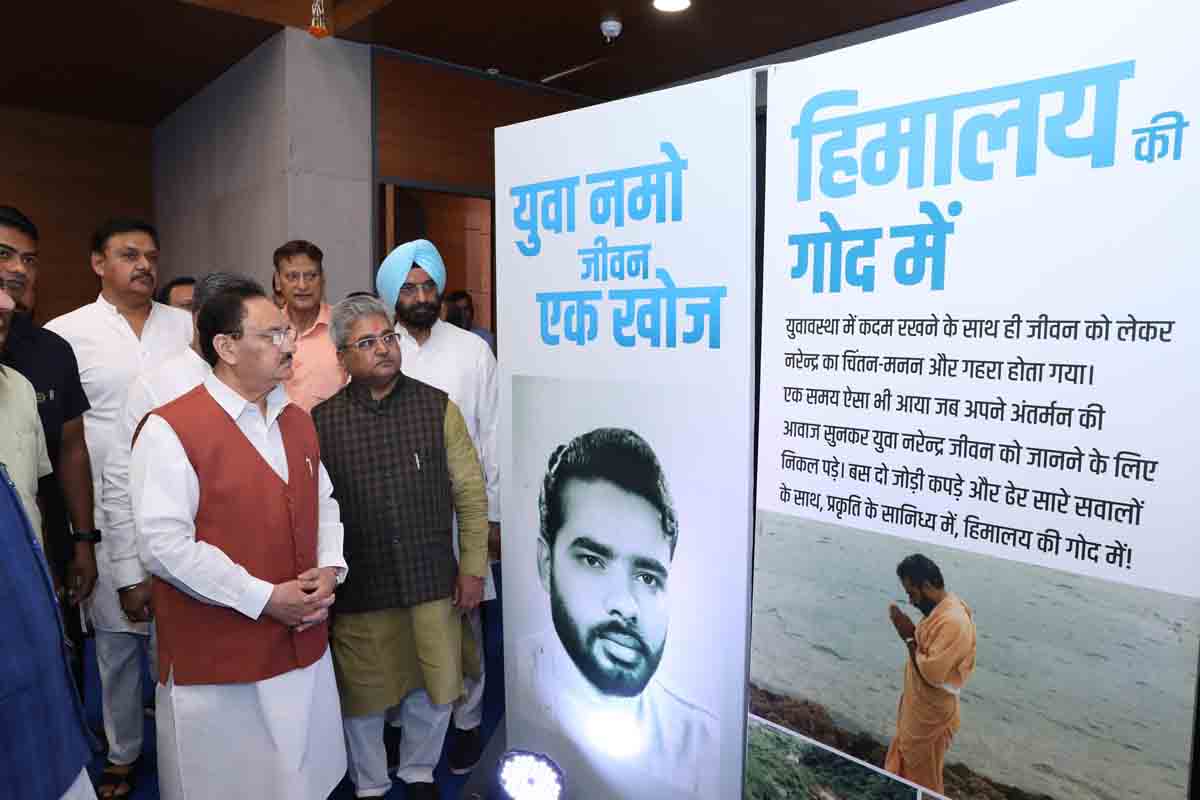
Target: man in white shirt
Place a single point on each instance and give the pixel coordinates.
(247, 703)
(179, 374)
(608, 535)
(411, 280)
(122, 334)
(22, 440)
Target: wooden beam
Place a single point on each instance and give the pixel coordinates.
(293, 13)
(340, 14)
(389, 223)
(348, 13)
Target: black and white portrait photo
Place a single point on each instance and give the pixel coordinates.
(606, 677)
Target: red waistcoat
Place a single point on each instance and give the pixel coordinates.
(267, 526)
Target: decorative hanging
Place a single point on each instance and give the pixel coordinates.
(319, 27)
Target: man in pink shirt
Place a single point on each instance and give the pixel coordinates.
(316, 373)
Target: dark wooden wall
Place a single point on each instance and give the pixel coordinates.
(434, 124)
(68, 174)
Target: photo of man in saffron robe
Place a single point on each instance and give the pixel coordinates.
(941, 658)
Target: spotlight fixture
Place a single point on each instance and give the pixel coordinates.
(672, 6)
(530, 776)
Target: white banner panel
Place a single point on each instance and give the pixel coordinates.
(624, 249)
(977, 336)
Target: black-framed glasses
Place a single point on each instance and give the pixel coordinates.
(369, 343)
(410, 289)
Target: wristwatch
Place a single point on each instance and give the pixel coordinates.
(87, 536)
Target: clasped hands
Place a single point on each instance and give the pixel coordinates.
(901, 622)
(304, 602)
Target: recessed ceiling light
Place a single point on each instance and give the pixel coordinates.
(672, 5)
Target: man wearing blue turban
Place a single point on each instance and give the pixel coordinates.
(412, 280)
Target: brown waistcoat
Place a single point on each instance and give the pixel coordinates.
(265, 525)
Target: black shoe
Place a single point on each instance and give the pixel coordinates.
(465, 750)
(420, 791)
(391, 743)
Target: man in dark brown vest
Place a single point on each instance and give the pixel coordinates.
(402, 463)
(235, 519)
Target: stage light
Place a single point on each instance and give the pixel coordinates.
(530, 776)
(671, 6)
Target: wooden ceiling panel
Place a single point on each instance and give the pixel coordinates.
(533, 39)
(132, 61)
(136, 61)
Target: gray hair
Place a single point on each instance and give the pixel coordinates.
(350, 311)
(214, 283)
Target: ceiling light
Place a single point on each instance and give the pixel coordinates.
(672, 6)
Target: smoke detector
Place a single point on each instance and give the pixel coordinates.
(610, 27)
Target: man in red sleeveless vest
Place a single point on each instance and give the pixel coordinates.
(235, 520)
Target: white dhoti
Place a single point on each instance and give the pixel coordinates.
(278, 738)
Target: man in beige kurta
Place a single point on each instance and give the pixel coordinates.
(941, 658)
(402, 463)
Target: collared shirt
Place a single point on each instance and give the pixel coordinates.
(22, 442)
(316, 372)
(110, 356)
(460, 364)
(166, 498)
(175, 377)
(47, 361)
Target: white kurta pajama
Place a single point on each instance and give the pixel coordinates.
(174, 378)
(462, 365)
(275, 738)
(110, 357)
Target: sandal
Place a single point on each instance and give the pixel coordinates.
(117, 781)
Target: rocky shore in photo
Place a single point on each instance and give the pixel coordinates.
(812, 720)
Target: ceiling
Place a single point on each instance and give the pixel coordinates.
(131, 61)
(136, 61)
(532, 39)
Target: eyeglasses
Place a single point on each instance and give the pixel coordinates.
(371, 342)
(298, 277)
(410, 289)
(276, 336)
(8, 255)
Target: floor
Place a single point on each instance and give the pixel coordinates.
(450, 786)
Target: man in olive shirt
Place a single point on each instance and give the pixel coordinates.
(402, 464)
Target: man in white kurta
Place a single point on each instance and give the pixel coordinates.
(122, 334)
(177, 375)
(462, 365)
(275, 738)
